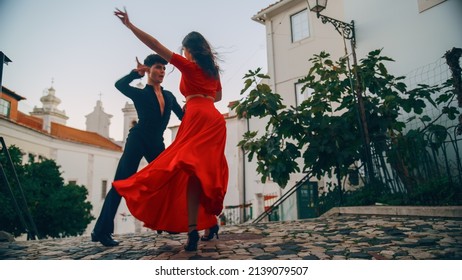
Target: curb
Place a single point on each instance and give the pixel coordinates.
(424, 211)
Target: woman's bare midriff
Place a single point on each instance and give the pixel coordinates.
(189, 97)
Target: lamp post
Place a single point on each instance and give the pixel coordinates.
(3, 60)
(347, 30)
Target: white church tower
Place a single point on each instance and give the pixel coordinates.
(130, 118)
(98, 121)
(50, 112)
(130, 115)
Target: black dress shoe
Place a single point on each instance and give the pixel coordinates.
(213, 231)
(105, 239)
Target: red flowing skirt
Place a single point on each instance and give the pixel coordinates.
(156, 195)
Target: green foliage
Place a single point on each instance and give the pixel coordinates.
(327, 125)
(261, 101)
(9, 220)
(275, 155)
(58, 210)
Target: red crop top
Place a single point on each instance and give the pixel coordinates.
(193, 79)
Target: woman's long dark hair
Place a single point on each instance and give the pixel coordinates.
(202, 53)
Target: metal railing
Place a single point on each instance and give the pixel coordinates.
(283, 198)
(20, 205)
(233, 214)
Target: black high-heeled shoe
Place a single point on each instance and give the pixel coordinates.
(213, 231)
(193, 239)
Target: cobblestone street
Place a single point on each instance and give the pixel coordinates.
(337, 237)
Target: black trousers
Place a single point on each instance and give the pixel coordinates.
(135, 149)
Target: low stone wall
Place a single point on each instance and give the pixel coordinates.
(425, 211)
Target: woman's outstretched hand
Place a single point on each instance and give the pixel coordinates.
(123, 16)
(144, 37)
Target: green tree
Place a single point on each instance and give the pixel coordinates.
(324, 130)
(10, 221)
(58, 210)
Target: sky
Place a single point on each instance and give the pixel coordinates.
(80, 48)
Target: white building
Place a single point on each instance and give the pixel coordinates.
(99, 121)
(86, 158)
(415, 33)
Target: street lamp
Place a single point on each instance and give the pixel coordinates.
(3, 60)
(347, 30)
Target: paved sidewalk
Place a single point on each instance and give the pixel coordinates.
(332, 237)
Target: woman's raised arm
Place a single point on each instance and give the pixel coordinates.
(144, 37)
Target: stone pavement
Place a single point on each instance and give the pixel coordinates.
(334, 237)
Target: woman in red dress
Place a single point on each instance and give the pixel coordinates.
(183, 189)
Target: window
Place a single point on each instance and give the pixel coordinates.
(103, 189)
(5, 107)
(299, 96)
(299, 25)
(72, 182)
(31, 157)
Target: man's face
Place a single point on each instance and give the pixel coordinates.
(157, 73)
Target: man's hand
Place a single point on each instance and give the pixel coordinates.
(141, 68)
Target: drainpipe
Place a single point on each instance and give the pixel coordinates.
(244, 175)
(243, 185)
(272, 55)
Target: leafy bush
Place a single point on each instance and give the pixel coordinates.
(57, 210)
